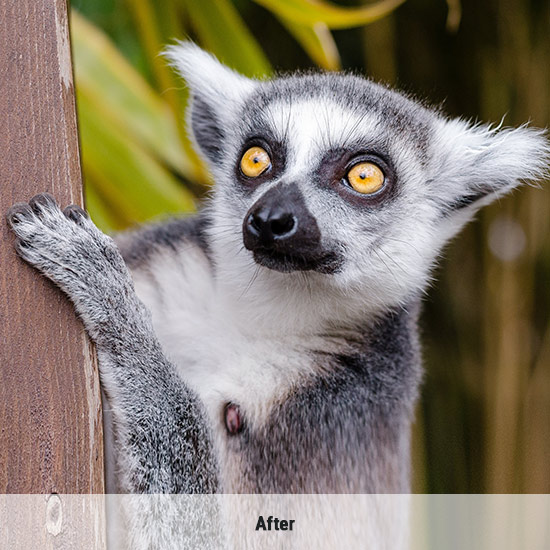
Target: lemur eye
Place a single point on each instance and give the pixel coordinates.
(255, 162)
(366, 178)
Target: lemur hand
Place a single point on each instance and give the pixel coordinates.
(71, 251)
(146, 395)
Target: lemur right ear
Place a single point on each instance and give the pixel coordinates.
(216, 94)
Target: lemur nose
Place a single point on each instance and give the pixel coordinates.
(271, 224)
(279, 223)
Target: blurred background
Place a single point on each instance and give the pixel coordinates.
(483, 424)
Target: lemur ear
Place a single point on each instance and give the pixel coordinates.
(479, 163)
(216, 94)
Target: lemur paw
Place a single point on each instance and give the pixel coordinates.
(69, 249)
(59, 242)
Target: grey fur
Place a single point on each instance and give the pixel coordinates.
(324, 364)
(138, 247)
(356, 414)
(160, 423)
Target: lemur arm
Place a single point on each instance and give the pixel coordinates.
(163, 439)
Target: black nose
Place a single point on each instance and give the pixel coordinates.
(280, 223)
(269, 223)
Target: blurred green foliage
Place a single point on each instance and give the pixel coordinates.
(137, 159)
(484, 420)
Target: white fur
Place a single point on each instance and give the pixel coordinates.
(239, 332)
(255, 317)
(236, 361)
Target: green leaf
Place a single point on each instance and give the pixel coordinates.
(117, 93)
(454, 15)
(317, 41)
(126, 175)
(99, 210)
(309, 12)
(221, 30)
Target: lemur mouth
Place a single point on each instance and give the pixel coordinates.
(326, 263)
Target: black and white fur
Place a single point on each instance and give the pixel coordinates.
(317, 347)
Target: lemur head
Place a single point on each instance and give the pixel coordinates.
(332, 182)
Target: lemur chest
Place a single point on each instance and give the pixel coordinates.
(220, 361)
(288, 392)
(253, 373)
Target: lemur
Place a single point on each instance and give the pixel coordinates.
(270, 343)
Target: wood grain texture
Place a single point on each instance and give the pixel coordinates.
(51, 437)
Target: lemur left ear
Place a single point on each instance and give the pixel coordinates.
(478, 163)
(216, 94)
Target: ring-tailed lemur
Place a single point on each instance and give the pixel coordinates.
(269, 344)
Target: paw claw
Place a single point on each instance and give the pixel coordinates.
(21, 246)
(17, 212)
(41, 201)
(75, 213)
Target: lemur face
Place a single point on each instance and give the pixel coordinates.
(332, 176)
(318, 167)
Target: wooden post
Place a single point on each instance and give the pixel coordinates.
(50, 415)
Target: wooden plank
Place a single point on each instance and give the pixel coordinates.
(50, 417)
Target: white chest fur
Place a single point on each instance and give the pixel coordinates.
(222, 360)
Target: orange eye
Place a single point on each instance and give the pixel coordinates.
(366, 178)
(254, 162)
